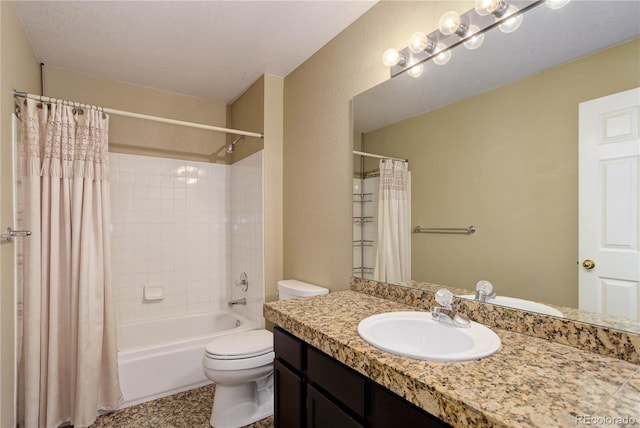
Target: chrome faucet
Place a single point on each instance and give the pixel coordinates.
(242, 301)
(446, 313)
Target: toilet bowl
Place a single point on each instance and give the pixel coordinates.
(241, 366)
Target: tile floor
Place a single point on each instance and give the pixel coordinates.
(189, 409)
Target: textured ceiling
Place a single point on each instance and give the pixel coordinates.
(208, 49)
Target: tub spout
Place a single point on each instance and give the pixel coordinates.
(242, 301)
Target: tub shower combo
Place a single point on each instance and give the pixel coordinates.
(173, 291)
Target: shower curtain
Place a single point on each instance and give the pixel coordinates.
(68, 363)
(393, 258)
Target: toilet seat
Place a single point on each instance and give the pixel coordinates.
(244, 344)
(211, 362)
(238, 351)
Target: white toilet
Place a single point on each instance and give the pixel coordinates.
(241, 366)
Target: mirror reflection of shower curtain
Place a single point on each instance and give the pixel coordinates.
(393, 260)
(68, 362)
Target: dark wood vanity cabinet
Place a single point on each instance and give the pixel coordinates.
(313, 390)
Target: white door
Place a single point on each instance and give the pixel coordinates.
(609, 264)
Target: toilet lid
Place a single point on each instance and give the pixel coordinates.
(244, 343)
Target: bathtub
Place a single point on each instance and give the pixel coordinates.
(162, 357)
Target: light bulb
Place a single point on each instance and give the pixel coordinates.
(511, 21)
(556, 4)
(418, 42)
(441, 58)
(416, 70)
(476, 38)
(495, 7)
(392, 57)
(450, 23)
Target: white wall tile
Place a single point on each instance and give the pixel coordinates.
(167, 230)
(246, 234)
(190, 227)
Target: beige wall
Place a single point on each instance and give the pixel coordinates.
(247, 113)
(18, 69)
(259, 109)
(273, 148)
(317, 135)
(142, 137)
(506, 161)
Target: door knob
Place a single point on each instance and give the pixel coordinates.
(588, 264)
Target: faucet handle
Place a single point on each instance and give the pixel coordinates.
(484, 285)
(484, 291)
(445, 298)
(243, 283)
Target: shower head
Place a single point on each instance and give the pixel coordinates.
(231, 145)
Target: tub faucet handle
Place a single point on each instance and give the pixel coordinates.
(243, 283)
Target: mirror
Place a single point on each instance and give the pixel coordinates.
(492, 141)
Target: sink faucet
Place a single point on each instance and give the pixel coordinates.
(484, 291)
(445, 312)
(242, 301)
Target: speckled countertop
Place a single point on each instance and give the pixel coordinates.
(530, 382)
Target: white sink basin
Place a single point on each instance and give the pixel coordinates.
(418, 335)
(525, 305)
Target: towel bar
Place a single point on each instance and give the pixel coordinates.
(418, 229)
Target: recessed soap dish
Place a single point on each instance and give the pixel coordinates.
(153, 292)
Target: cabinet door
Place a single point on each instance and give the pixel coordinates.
(289, 348)
(390, 411)
(323, 413)
(288, 398)
(345, 385)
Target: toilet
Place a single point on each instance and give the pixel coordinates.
(241, 366)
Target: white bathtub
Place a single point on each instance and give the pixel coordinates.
(162, 357)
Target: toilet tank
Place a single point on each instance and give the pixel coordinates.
(292, 288)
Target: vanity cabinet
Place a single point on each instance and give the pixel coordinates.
(313, 390)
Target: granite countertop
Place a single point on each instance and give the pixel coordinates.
(530, 382)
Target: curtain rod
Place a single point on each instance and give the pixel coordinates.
(141, 116)
(371, 155)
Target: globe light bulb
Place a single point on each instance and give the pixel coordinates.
(418, 42)
(392, 57)
(450, 23)
(511, 21)
(487, 7)
(556, 4)
(416, 70)
(475, 39)
(441, 58)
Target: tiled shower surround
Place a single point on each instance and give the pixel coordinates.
(171, 227)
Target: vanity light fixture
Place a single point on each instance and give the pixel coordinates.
(419, 42)
(496, 8)
(507, 14)
(392, 57)
(452, 23)
(454, 29)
